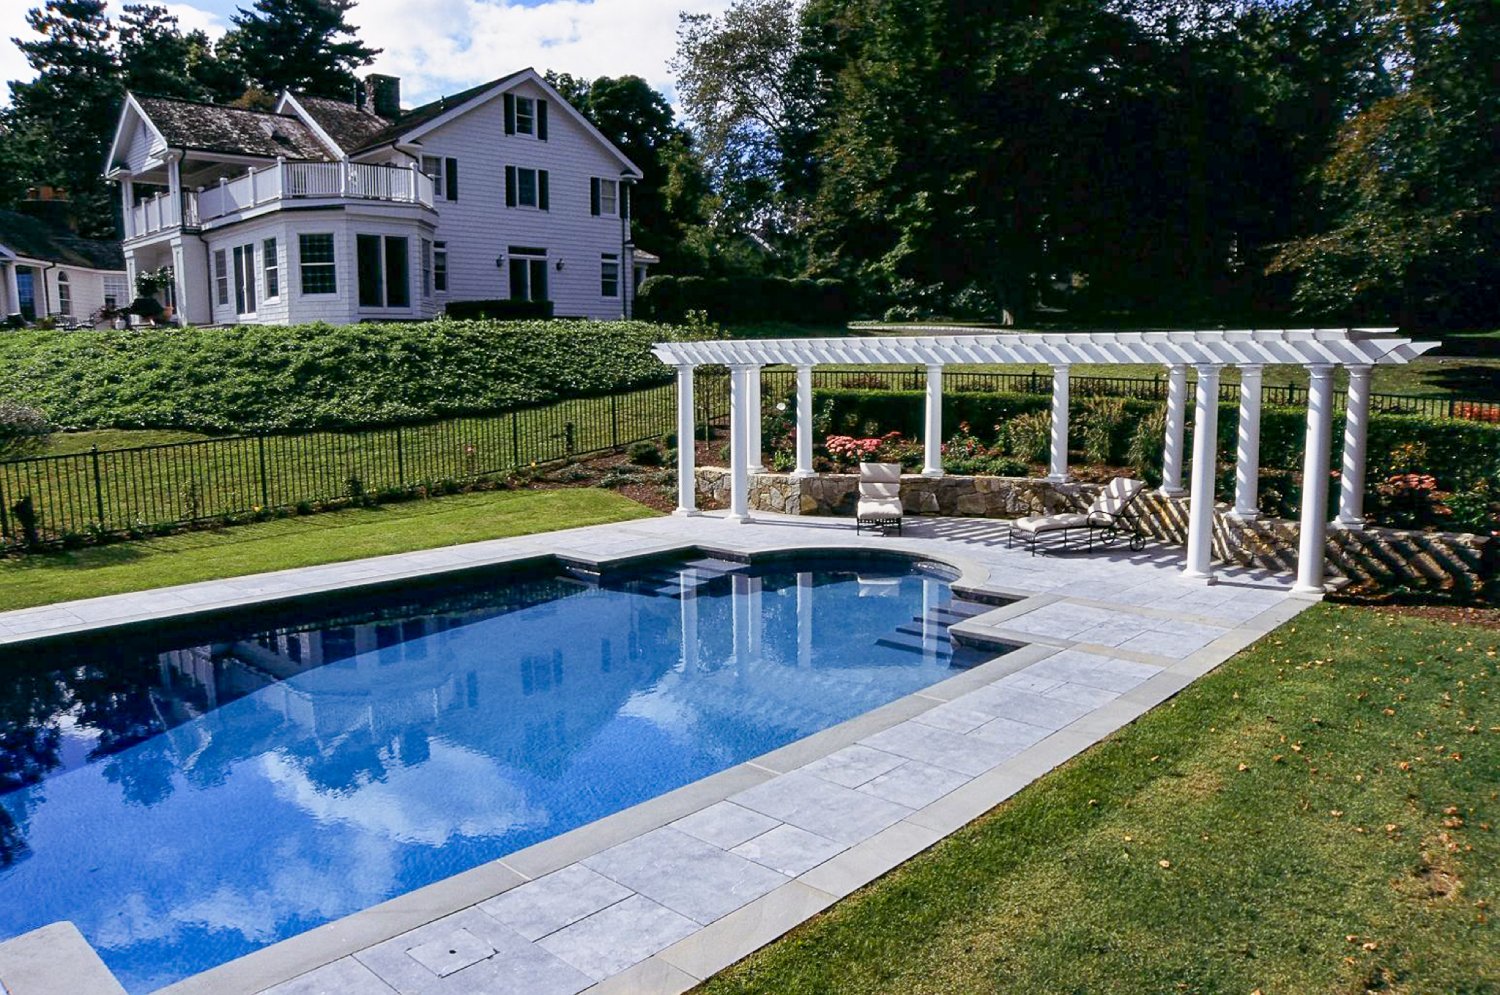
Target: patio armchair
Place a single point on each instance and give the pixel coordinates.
(1108, 519)
(879, 497)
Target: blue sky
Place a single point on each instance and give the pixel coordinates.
(441, 46)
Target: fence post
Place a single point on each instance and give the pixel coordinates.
(570, 439)
(400, 460)
(265, 484)
(515, 440)
(614, 421)
(98, 487)
(4, 517)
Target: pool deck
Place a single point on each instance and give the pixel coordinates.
(664, 894)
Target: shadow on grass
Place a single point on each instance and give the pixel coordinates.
(1468, 380)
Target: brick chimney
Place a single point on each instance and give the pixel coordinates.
(383, 95)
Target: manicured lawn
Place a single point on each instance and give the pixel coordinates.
(299, 542)
(1319, 815)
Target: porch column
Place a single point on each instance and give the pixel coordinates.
(739, 417)
(174, 187)
(932, 426)
(1318, 449)
(127, 201)
(1247, 454)
(687, 484)
(12, 291)
(1200, 546)
(752, 426)
(1356, 429)
(804, 422)
(1171, 454)
(1059, 469)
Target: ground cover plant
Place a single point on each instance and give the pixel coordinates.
(1317, 815)
(306, 376)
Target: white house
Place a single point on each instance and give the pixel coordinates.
(48, 271)
(331, 211)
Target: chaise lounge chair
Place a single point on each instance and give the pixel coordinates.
(879, 497)
(1108, 519)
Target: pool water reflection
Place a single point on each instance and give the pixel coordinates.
(185, 803)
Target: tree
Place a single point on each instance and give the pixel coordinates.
(156, 58)
(59, 123)
(303, 45)
(1412, 182)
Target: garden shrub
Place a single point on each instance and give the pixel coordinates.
(499, 310)
(1102, 429)
(643, 454)
(1143, 453)
(315, 376)
(745, 299)
(1029, 436)
(23, 430)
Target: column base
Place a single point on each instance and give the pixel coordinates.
(933, 474)
(1307, 593)
(1356, 525)
(1204, 577)
(755, 468)
(1059, 478)
(1172, 492)
(803, 474)
(1243, 516)
(738, 519)
(686, 513)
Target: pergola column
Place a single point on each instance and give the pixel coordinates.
(804, 422)
(1205, 464)
(687, 483)
(1247, 453)
(12, 291)
(1318, 449)
(1171, 454)
(1356, 431)
(932, 429)
(739, 432)
(752, 427)
(1058, 472)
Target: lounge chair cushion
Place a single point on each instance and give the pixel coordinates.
(878, 508)
(1050, 523)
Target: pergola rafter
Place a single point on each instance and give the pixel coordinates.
(1318, 350)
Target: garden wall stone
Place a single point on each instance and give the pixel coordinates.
(1377, 558)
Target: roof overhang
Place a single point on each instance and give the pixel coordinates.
(1283, 347)
(119, 145)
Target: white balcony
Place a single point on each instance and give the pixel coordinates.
(281, 181)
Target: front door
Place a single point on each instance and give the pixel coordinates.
(26, 290)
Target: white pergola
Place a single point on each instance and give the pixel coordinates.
(1318, 350)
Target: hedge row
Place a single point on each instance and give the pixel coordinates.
(1460, 454)
(751, 298)
(307, 376)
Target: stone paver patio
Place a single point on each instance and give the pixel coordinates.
(656, 898)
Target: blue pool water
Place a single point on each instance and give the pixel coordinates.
(187, 798)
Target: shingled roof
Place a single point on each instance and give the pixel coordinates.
(34, 238)
(213, 128)
(350, 126)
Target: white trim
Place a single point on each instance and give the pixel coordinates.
(130, 104)
(287, 99)
(20, 260)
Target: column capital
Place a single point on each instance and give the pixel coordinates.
(685, 367)
(744, 367)
(1320, 371)
(1360, 370)
(1251, 369)
(1061, 367)
(935, 367)
(1175, 367)
(1208, 371)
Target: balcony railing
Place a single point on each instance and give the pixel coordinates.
(279, 182)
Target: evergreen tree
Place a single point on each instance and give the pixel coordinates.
(303, 45)
(60, 122)
(156, 58)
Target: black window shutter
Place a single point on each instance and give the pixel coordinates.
(594, 195)
(541, 120)
(541, 189)
(510, 186)
(510, 114)
(624, 199)
(452, 185)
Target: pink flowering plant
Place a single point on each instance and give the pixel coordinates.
(847, 451)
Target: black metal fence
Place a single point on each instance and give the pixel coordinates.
(139, 490)
(99, 493)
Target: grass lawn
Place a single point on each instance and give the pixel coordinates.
(1318, 815)
(299, 542)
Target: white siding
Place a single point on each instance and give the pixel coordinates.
(140, 149)
(87, 291)
(478, 227)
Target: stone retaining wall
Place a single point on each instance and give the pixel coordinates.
(1376, 557)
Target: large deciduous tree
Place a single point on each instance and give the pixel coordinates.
(304, 45)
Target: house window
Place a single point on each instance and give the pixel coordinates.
(26, 291)
(315, 256)
(609, 197)
(271, 263)
(221, 276)
(64, 295)
(115, 292)
(609, 275)
(526, 187)
(440, 267)
(528, 274)
(426, 268)
(525, 116)
(433, 166)
(383, 276)
(244, 279)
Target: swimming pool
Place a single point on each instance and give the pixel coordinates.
(188, 797)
